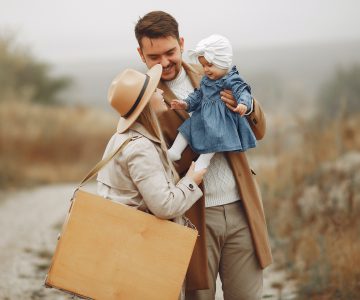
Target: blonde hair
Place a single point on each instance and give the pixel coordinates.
(149, 120)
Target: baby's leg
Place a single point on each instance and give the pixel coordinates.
(177, 148)
(203, 161)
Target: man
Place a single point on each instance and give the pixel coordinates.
(233, 240)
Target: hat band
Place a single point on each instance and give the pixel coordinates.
(139, 97)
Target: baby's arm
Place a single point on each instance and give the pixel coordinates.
(242, 93)
(194, 100)
(179, 104)
(191, 103)
(241, 109)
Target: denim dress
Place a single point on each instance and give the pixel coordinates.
(213, 127)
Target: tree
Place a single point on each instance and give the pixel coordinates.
(23, 76)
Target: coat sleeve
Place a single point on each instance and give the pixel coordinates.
(164, 199)
(257, 120)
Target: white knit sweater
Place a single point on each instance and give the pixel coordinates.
(219, 181)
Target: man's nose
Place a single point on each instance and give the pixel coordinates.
(164, 62)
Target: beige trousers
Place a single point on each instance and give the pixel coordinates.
(231, 255)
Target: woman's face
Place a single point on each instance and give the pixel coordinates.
(157, 101)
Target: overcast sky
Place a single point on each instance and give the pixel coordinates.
(71, 30)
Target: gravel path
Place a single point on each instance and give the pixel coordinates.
(29, 224)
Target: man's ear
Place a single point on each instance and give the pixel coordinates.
(141, 55)
(181, 43)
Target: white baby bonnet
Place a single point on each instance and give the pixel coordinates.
(216, 49)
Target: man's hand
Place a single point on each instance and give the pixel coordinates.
(240, 109)
(229, 100)
(178, 104)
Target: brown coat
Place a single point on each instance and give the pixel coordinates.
(247, 185)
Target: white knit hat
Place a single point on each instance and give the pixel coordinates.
(216, 49)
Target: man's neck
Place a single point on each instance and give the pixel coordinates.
(181, 76)
(181, 86)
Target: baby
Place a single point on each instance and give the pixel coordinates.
(213, 127)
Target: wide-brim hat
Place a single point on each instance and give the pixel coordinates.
(130, 92)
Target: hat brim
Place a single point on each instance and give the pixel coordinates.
(154, 74)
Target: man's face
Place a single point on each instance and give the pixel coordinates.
(165, 51)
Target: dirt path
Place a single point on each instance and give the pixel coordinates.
(29, 224)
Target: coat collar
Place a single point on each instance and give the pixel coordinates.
(195, 76)
(194, 72)
(139, 128)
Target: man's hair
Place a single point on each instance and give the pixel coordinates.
(156, 24)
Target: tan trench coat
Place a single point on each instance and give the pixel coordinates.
(140, 176)
(170, 120)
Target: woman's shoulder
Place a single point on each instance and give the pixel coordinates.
(141, 154)
(139, 144)
(119, 138)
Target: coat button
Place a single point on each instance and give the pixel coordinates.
(191, 186)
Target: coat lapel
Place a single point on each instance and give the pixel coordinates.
(195, 74)
(195, 77)
(168, 97)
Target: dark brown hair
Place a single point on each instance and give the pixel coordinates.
(156, 24)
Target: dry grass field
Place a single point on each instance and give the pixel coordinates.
(47, 144)
(312, 203)
(311, 188)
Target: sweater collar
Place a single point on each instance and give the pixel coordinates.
(195, 78)
(178, 80)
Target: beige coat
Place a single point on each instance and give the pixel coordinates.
(141, 177)
(247, 186)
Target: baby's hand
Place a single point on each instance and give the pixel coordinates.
(178, 104)
(240, 109)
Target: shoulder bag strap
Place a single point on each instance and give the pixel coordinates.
(103, 162)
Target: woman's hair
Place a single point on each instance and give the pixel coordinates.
(156, 24)
(148, 119)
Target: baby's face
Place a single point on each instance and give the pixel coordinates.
(212, 72)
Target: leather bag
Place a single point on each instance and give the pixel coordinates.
(107, 250)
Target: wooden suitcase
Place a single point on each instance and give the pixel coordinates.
(108, 250)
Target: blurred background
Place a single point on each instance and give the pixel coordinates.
(302, 60)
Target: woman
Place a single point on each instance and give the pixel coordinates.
(142, 175)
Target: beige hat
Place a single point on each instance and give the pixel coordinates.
(129, 93)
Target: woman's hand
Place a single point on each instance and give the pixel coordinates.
(196, 176)
(178, 104)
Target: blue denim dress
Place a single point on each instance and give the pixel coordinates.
(213, 127)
